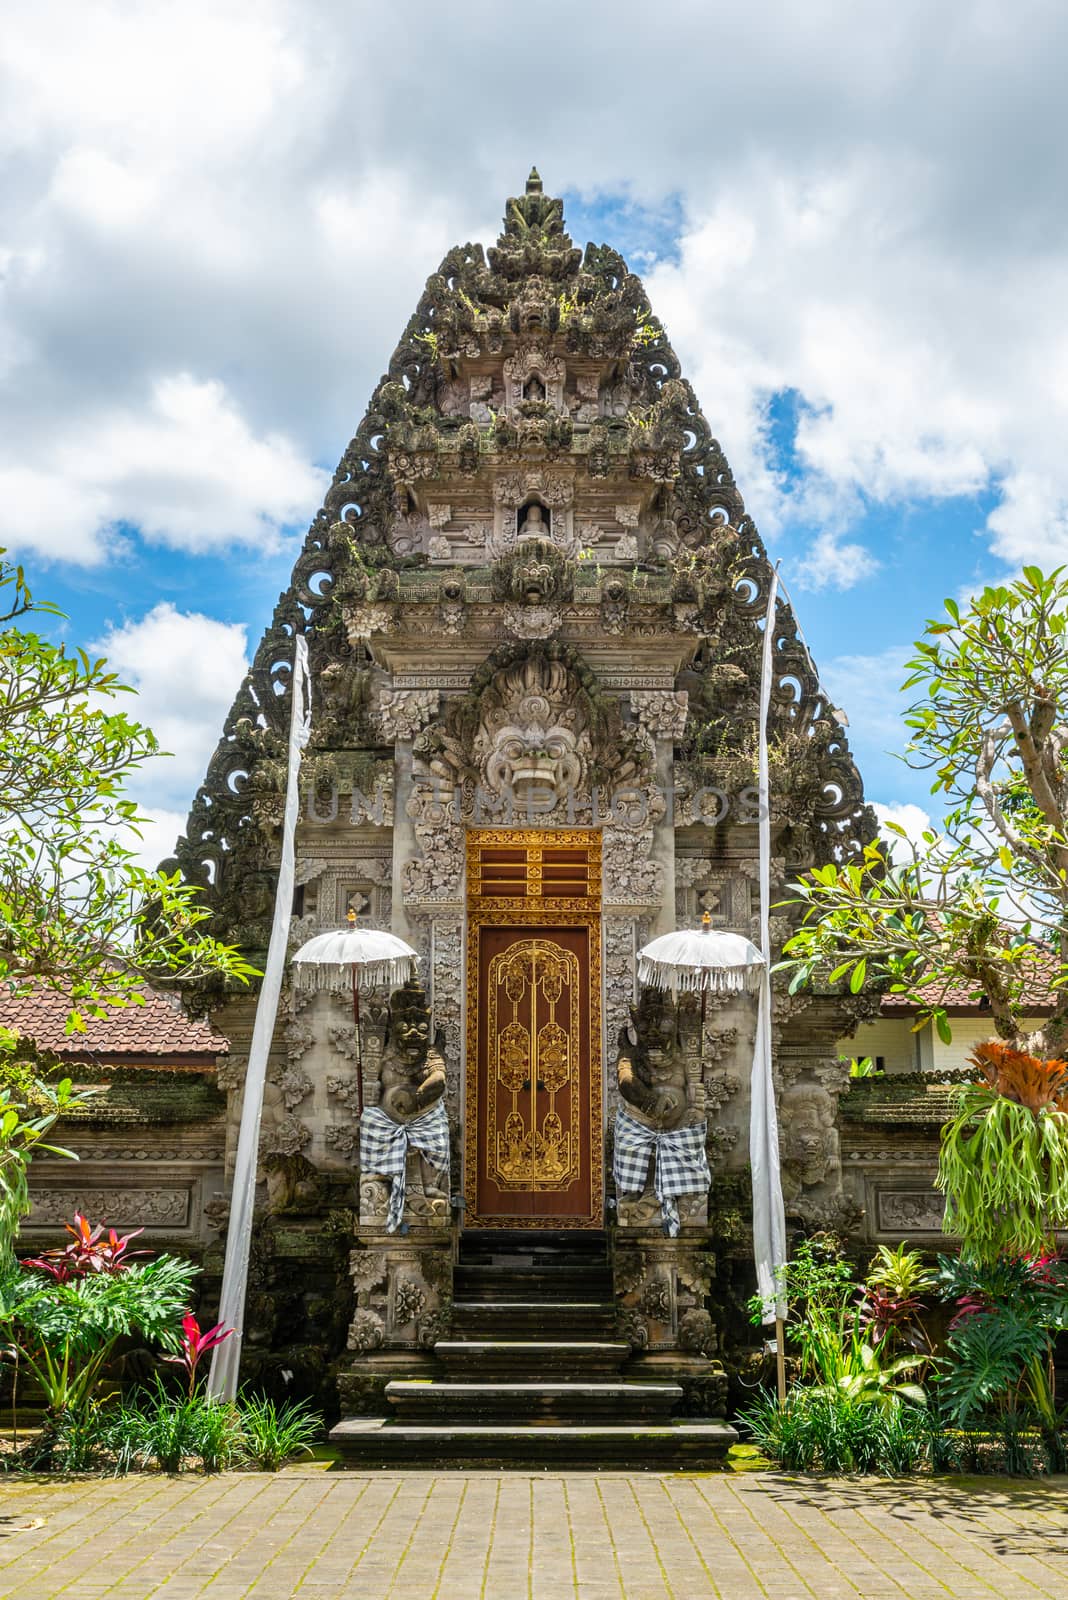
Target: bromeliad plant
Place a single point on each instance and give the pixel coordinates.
(1004, 1159)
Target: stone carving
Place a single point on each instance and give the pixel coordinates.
(615, 605)
(283, 1135)
(630, 876)
(809, 1141)
(402, 712)
(533, 374)
(904, 1212)
(534, 525)
(344, 1137)
(534, 580)
(363, 622)
(366, 1331)
(146, 1208)
(660, 712)
(651, 1067)
(293, 1084)
(412, 1081)
(697, 1333)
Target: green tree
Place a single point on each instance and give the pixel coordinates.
(984, 903)
(78, 915)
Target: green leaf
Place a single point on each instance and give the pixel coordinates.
(860, 972)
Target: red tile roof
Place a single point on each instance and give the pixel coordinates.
(158, 1028)
(1037, 997)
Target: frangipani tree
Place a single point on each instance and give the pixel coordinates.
(983, 904)
(77, 913)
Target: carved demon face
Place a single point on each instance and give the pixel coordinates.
(534, 760)
(411, 1036)
(534, 579)
(810, 1143)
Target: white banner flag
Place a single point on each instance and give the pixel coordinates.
(226, 1357)
(769, 1215)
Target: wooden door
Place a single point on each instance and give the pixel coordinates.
(534, 1071)
(533, 1136)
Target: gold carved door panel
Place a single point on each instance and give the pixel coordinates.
(535, 1154)
(533, 1120)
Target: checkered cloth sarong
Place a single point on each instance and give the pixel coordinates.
(681, 1163)
(384, 1150)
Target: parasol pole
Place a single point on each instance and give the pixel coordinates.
(226, 1357)
(769, 1216)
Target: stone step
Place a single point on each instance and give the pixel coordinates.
(531, 1283)
(582, 1402)
(382, 1442)
(531, 1360)
(534, 1319)
(548, 1243)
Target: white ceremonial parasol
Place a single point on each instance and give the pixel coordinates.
(354, 952)
(700, 960)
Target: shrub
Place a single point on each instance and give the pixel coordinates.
(158, 1429)
(272, 1434)
(820, 1430)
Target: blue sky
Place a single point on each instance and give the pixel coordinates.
(215, 223)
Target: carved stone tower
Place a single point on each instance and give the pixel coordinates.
(533, 600)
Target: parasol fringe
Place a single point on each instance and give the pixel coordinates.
(321, 975)
(710, 980)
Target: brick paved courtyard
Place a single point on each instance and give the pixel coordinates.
(449, 1536)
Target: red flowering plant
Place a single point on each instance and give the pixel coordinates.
(90, 1251)
(66, 1310)
(195, 1344)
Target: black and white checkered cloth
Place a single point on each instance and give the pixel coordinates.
(384, 1148)
(681, 1163)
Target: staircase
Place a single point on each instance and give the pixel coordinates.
(531, 1375)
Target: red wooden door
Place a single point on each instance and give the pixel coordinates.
(537, 1148)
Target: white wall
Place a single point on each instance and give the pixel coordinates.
(890, 1038)
(905, 1051)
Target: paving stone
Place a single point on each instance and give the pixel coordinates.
(310, 1535)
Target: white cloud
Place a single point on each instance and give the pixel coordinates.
(159, 833)
(868, 690)
(186, 469)
(216, 219)
(914, 819)
(186, 669)
(830, 563)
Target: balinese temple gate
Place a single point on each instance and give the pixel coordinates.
(533, 603)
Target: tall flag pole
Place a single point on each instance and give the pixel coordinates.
(769, 1213)
(226, 1357)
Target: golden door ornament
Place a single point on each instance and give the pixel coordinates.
(535, 1054)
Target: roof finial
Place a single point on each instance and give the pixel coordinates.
(534, 182)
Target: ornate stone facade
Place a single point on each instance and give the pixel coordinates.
(534, 601)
